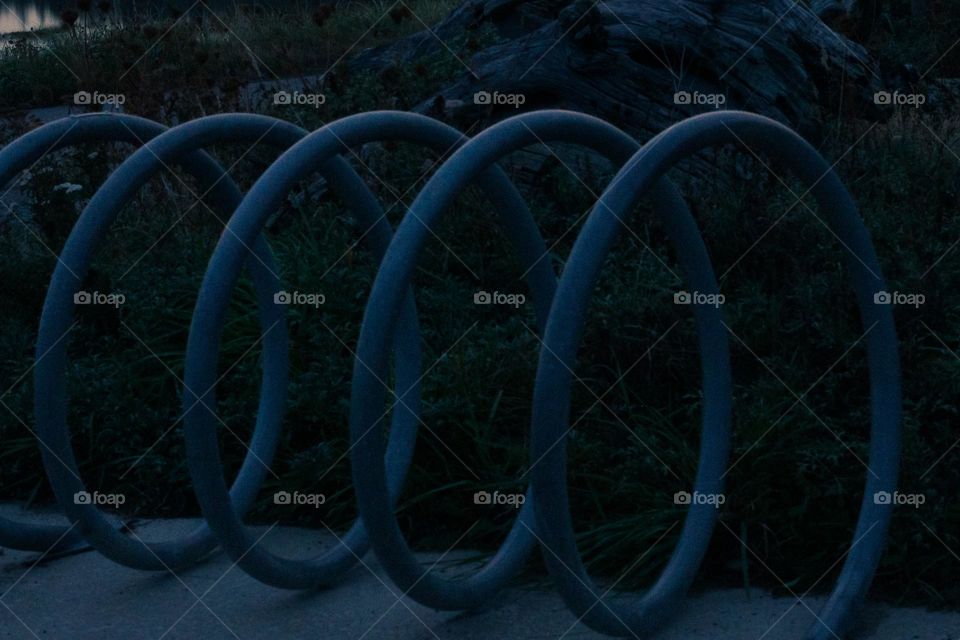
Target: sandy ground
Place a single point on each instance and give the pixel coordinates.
(85, 596)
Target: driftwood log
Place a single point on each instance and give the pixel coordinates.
(645, 64)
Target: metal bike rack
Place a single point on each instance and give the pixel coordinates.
(390, 326)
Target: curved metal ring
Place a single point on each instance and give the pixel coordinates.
(222, 509)
(395, 273)
(297, 163)
(20, 155)
(390, 325)
(58, 319)
(565, 328)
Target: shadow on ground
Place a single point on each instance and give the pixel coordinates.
(85, 596)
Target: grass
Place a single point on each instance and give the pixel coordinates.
(198, 61)
(897, 36)
(793, 497)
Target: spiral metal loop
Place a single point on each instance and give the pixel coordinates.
(551, 396)
(390, 325)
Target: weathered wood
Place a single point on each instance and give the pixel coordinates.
(624, 60)
(825, 9)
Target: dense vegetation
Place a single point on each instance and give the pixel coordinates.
(792, 497)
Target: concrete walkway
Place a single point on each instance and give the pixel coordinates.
(85, 596)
